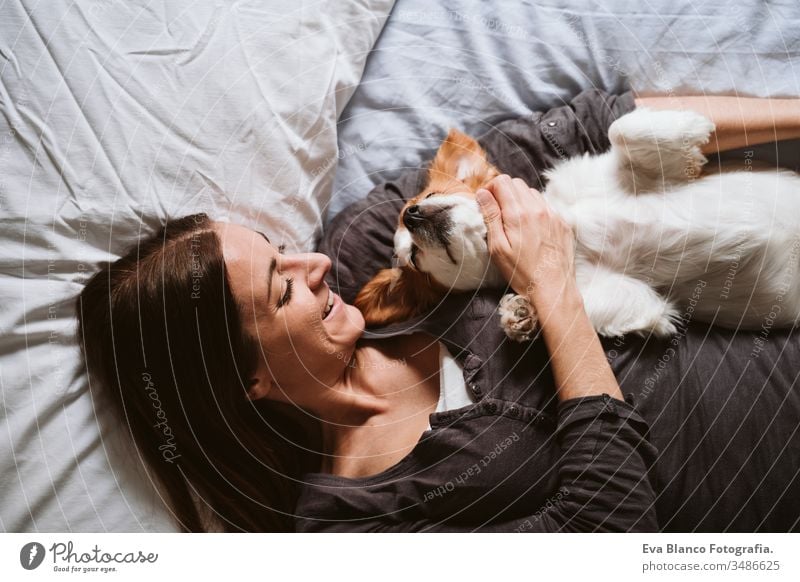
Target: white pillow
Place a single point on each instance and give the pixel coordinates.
(115, 117)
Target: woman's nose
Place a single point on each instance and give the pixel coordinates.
(313, 265)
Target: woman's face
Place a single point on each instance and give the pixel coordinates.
(284, 299)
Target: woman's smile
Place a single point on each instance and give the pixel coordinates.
(333, 307)
(328, 304)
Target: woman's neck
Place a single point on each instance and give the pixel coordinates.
(383, 368)
(387, 383)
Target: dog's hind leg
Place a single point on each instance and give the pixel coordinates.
(618, 304)
(656, 148)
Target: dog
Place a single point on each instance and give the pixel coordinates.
(659, 238)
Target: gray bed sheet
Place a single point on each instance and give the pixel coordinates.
(471, 65)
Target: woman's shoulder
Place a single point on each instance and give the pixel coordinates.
(468, 465)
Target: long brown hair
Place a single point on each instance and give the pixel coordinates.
(161, 331)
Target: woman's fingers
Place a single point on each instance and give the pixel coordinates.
(504, 191)
(493, 216)
(527, 241)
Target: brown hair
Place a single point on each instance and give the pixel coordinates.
(161, 331)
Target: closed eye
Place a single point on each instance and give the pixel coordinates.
(287, 296)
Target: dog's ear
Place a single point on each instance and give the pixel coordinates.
(396, 295)
(461, 158)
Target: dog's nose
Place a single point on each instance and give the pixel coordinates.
(413, 216)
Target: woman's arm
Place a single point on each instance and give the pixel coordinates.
(533, 248)
(577, 359)
(740, 121)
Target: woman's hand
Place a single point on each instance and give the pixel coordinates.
(531, 245)
(534, 249)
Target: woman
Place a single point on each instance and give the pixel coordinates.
(252, 403)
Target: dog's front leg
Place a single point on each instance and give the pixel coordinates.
(654, 148)
(518, 317)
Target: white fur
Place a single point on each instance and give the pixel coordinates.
(402, 245)
(656, 242)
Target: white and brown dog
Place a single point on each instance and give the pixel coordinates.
(656, 241)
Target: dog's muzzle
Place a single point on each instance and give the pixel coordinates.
(431, 223)
(414, 217)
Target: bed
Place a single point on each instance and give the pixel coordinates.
(116, 118)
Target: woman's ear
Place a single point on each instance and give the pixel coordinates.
(257, 389)
(260, 383)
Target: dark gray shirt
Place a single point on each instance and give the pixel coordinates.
(516, 459)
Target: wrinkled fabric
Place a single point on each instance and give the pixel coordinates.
(115, 117)
(471, 65)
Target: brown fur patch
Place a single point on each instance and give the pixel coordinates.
(396, 295)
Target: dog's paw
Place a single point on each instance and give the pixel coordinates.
(693, 130)
(681, 129)
(664, 143)
(518, 318)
